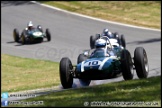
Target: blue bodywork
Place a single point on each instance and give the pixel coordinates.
(99, 66)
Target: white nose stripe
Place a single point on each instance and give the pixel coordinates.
(103, 62)
(82, 66)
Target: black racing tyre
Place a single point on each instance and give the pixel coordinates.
(122, 40)
(65, 74)
(126, 65)
(116, 35)
(141, 62)
(83, 82)
(93, 39)
(16, 35)
(81, 58)
(23, 37)
(40, 28)
(48, 34)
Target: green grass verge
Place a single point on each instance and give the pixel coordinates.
(137, 90)
(20, 74)
(140, 13)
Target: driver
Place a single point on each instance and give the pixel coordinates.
(101, 45)
(30, 26)
(107, 33)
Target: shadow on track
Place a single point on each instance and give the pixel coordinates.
(11, 42)
(20, 44)
(146, 41)
(15, 3)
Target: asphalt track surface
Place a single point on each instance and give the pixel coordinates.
(70, 36)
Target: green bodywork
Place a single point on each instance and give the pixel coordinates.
(101, 63)
(35, 33)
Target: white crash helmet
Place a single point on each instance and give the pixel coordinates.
(100, 43)
(30, 24)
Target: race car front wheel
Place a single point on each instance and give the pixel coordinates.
(65, 73)
(81, 58)
(23, 38)
(141, 62)
(48, 34)
(16, 35)
(126, 65)
(83, 82)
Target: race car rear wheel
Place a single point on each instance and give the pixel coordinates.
(16, 35)
(122, 41)
(141, 62)
(93, 39)
(126, 65)
(65, 73)
(83, 82)
(116, 35)
(48, 34)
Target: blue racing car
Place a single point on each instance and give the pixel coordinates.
(111, 35)
(104, 62)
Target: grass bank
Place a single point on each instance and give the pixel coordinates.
(143, 92)
(20, 74)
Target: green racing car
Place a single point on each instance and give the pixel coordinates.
(34, 35)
